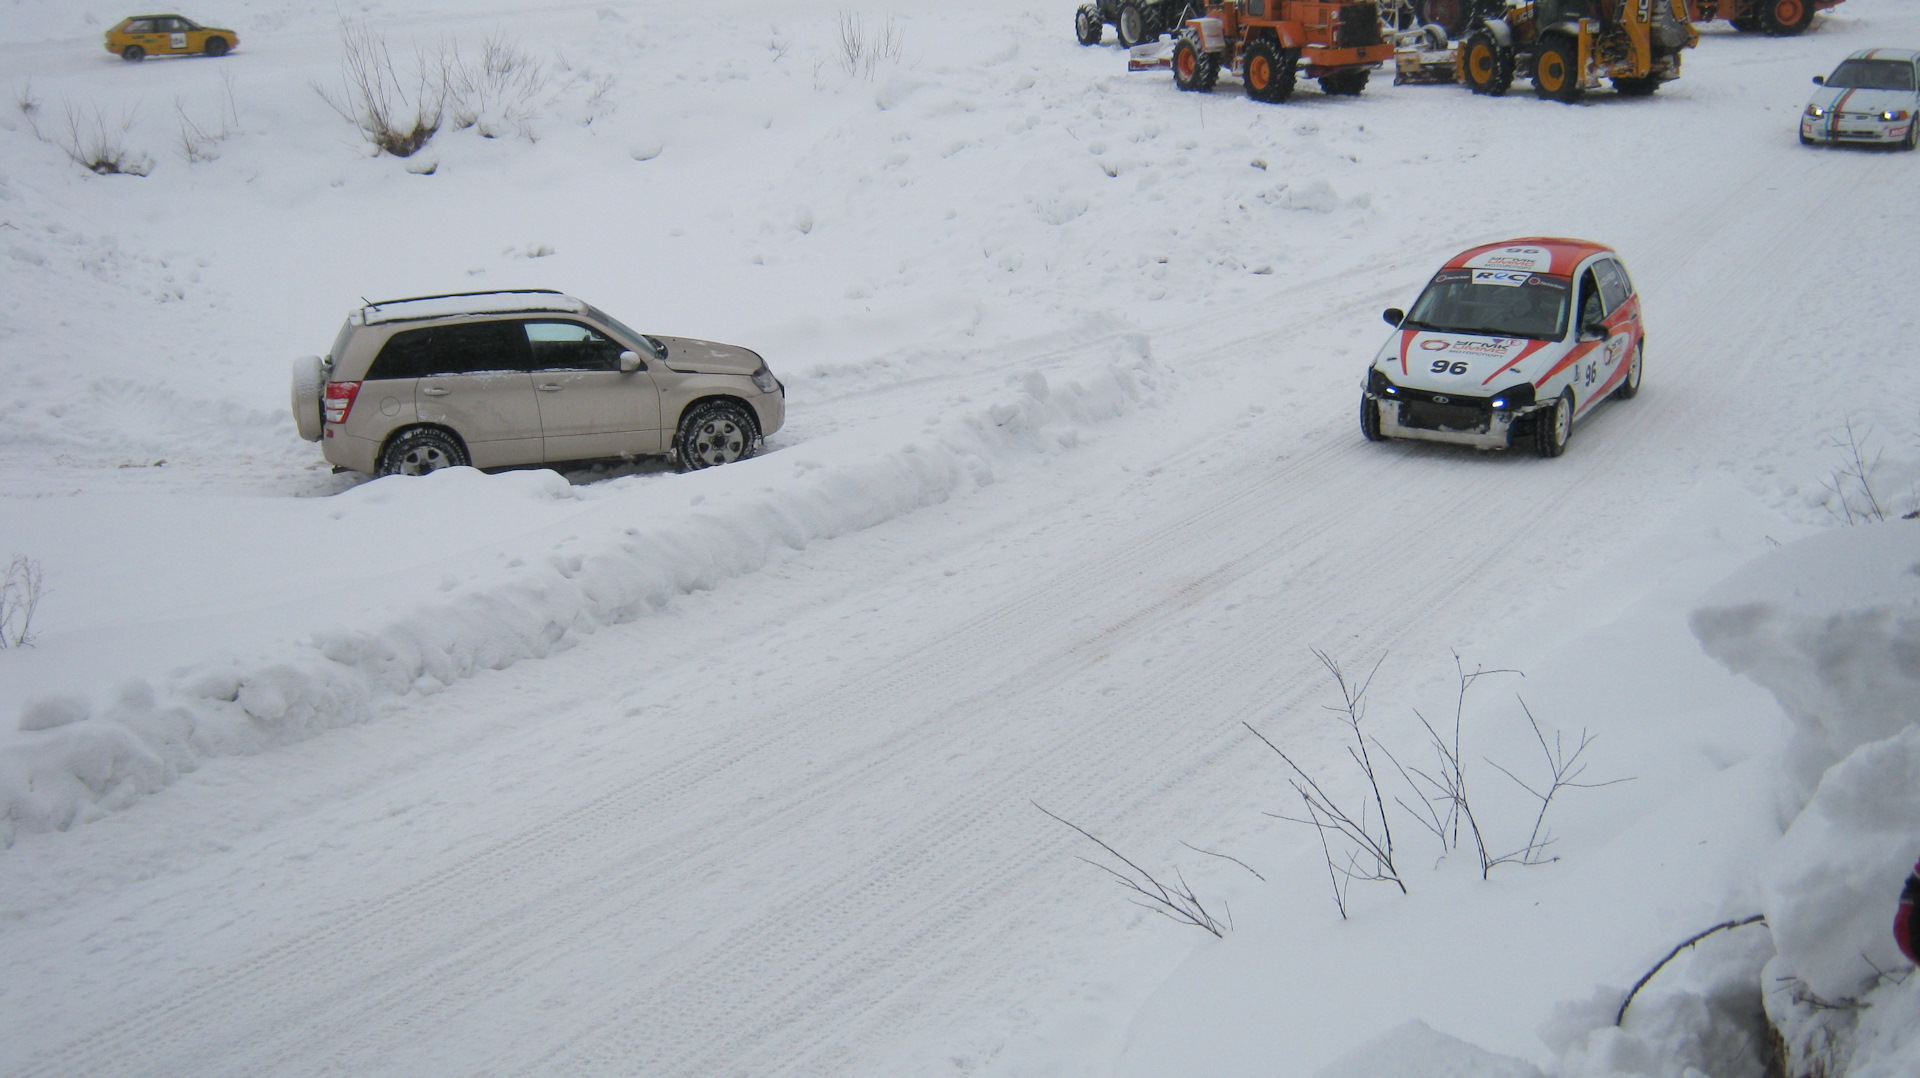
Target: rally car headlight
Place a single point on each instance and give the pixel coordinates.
(1890, 115)
(1377, 383)
(1816, 111)
(1513, 397)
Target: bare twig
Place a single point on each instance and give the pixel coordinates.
(1621, 1014)
(1854, 476)
(1226, 857)
(1564, 772)
(374, 97)
(1177, 903)
(101, 147)
(21, 590)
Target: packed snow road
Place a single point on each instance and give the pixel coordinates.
(784, 822)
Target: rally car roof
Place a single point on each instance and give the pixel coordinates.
(1566, 253)
(1908, 55)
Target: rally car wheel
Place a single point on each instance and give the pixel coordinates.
(216, 46)
(1087, 25)
(1489, 64)
(1553, 428)
(1370, 420)
(1630, 386)
(133, 54)
(1555, 71)
(1913, 134)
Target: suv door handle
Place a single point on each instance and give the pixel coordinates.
(435, 391)
(551, 387)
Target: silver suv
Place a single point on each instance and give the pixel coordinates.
(496, 379)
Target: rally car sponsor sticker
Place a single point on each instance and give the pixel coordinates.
(1526, 259)
(1508, 278)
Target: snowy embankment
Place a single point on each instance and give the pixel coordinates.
(593, 561)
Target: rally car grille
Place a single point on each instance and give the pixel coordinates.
(1427, 415)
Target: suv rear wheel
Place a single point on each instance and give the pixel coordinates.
(421, 450)
(714, 432)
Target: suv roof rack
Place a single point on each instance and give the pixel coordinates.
(493, 302)
(463, 295)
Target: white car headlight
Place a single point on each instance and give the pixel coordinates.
(1891, 115)
(1816, 111)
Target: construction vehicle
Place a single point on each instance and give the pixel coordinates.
(1136, 21)
(1778, 18)
(1567, 46)
(1270, 44)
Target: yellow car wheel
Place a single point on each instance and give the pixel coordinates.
(133, 54)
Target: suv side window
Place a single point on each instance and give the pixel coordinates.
(569, 346)
(455, 349)
(1612, 288)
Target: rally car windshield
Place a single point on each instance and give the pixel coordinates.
(1493, 303)
(1872, 75)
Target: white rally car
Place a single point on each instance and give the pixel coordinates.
(1507, 346)
(1872, 97)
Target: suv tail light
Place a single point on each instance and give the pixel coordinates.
(339, 400)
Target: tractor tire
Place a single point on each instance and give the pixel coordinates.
(1194, 68)
(1489, 64)
(1271, 72)
(1134, 24)
(1636, 87)
(1348, 83)
(1087, 25)
(1449, 15)
(1785, 18)
(1556, 74)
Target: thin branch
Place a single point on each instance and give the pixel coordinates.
(1178, 904)
(1621, 1014)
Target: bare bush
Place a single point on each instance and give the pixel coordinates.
(100, 146)
(21, 590)
(29, 106)
(1367, 836)
(398, 115)
(860, 55)
(1852, 480)
(499, 93)
(1176, 901)
(1356, 836)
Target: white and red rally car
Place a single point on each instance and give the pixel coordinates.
(1507, 346)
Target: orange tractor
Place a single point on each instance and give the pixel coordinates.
(1271, 44)
(1780, 18)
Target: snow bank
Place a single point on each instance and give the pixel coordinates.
(1417, 1050)
(75, 758)
(1831, 626)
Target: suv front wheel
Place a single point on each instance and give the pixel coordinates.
(421, 450)
(714, 432)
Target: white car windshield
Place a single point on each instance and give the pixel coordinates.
(1872, 75)
(1493, 303)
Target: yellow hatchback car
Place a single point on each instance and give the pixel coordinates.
(142, 36)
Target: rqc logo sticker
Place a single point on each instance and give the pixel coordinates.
(1508, 278)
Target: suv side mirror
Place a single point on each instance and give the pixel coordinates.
(1819, 80)
(1394, 316)
(629, 362)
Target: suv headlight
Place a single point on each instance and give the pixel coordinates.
(764, 381)
(1513, 398)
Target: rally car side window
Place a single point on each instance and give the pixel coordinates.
(1613, 291)
(1591, 307)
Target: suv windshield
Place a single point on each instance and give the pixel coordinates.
(1872, 75)
(1494, 303)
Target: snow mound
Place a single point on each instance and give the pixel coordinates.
(73, 761)
(1831, 626)
(1417, 1050)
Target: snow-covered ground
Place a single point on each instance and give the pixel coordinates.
(736, 772)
